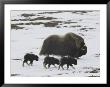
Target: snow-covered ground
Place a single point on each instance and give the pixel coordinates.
(31, 37)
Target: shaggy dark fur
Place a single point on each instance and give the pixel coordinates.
(50, 61)
(67, 60)
(70, 44)
(31, 58)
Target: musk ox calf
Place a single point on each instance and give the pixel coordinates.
(50, 61)
(67, 60)
(31, 58)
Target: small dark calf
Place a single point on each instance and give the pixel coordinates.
(31, 58)
(50, 61)
(67, 60)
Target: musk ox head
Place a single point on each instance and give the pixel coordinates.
(83, 50)
(74, 61)
(36, 58)
(69, 44)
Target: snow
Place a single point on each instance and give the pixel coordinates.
(31, 37)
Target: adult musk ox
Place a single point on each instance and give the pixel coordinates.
(50, 61)
(67, 60)
(67, 45)
(30, 57)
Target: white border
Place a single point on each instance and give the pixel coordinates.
(50, 80)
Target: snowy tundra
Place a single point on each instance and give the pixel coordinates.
(30, 28)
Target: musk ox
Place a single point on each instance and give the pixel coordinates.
(69, 44)
(30, 57)
(67, 60)
(50, 61)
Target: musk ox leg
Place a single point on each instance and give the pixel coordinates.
(25, 61)
(72, 66)
(31, 63)
(44, 64)
(49, 66)
(54, 65)
(59, 67)
(62, 67)
(67, 66)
